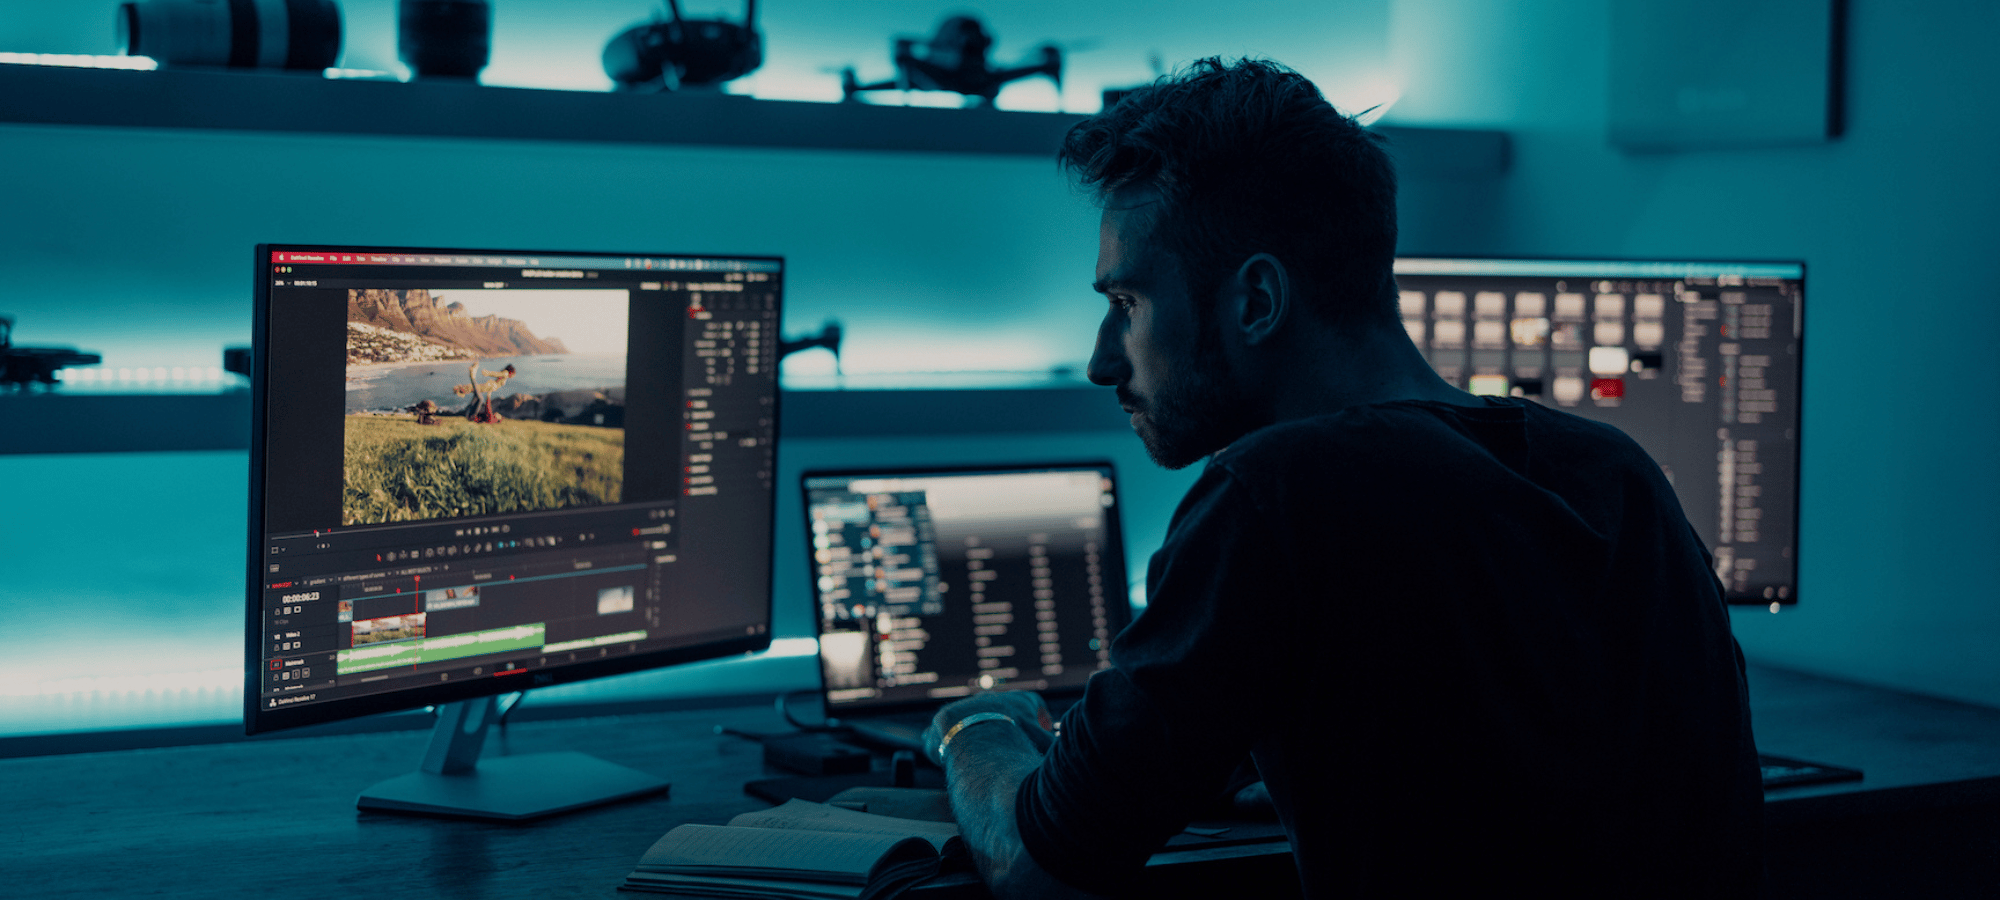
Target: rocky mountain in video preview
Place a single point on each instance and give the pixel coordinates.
(409, 326)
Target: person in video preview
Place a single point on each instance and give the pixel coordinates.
(1470, 643)
(481, 407)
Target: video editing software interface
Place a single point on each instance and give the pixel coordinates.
(1699, 362)
(935, 585)
(483, 471)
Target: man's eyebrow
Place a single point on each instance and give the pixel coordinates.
(1107, 285)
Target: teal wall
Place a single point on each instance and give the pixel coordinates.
(121, 598)
(136, 243)
(932, 262)
(1896, 224)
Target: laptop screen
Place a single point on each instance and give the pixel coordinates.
(933, 584)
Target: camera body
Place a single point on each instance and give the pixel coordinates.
(444, 38)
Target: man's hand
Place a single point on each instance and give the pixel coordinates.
(988, 761)
(1026, 708)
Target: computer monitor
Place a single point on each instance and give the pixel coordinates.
(474, 472)
(1699, 362)
(935, 583)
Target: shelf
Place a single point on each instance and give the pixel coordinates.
(308, 104)
(124, 423)
(153, 423)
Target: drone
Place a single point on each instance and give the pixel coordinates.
(665, 55)
(22, 366)
(954, 60)
(828, 337)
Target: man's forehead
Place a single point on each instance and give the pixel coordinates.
(1131, 211)
(1125, 234)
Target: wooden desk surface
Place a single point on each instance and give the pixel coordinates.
(277, 818)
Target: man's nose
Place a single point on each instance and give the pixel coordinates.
(1108, 366)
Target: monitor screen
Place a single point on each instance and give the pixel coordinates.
(933, 584)
(479, 471)
(1699, 362)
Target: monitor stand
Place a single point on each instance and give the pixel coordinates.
(454, 781)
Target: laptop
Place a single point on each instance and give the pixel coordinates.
(931, 584)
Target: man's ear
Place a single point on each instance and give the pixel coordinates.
(1263, 298)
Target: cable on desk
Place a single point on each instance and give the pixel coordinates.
(784, 703)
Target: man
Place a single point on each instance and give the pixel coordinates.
(1472, 644)
(481, 407)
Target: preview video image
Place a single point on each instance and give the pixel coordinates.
(478, 402)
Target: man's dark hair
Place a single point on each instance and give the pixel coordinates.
(1249, 157)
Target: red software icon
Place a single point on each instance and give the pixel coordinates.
(1606, 388)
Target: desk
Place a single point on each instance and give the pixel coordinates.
(1924, 822)
(276, 818)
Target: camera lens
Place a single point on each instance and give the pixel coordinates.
(128, 29)
(244, 34)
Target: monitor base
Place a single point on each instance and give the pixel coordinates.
(512, 788)
(454, 781)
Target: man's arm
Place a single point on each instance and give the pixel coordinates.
(985, 763)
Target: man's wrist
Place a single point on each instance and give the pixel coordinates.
(968, 721)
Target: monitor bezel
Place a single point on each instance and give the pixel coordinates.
(1115, 528)
(258, 720)
(1798, 469)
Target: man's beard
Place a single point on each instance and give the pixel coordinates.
(1198, 411)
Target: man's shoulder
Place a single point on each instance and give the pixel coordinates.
(1393, 430)
(1435, 449)
(1383, 432)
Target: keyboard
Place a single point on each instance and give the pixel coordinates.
(1783, 771)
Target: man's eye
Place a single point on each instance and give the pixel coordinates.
(1121, 301)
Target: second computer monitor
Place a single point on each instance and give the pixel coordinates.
(1700, 362)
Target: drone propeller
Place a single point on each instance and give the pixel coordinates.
(1053, 53)
(1052, 64)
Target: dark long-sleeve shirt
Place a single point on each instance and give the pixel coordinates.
(1469, 649)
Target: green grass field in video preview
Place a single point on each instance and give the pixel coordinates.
(400, 471)
(482, 402)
